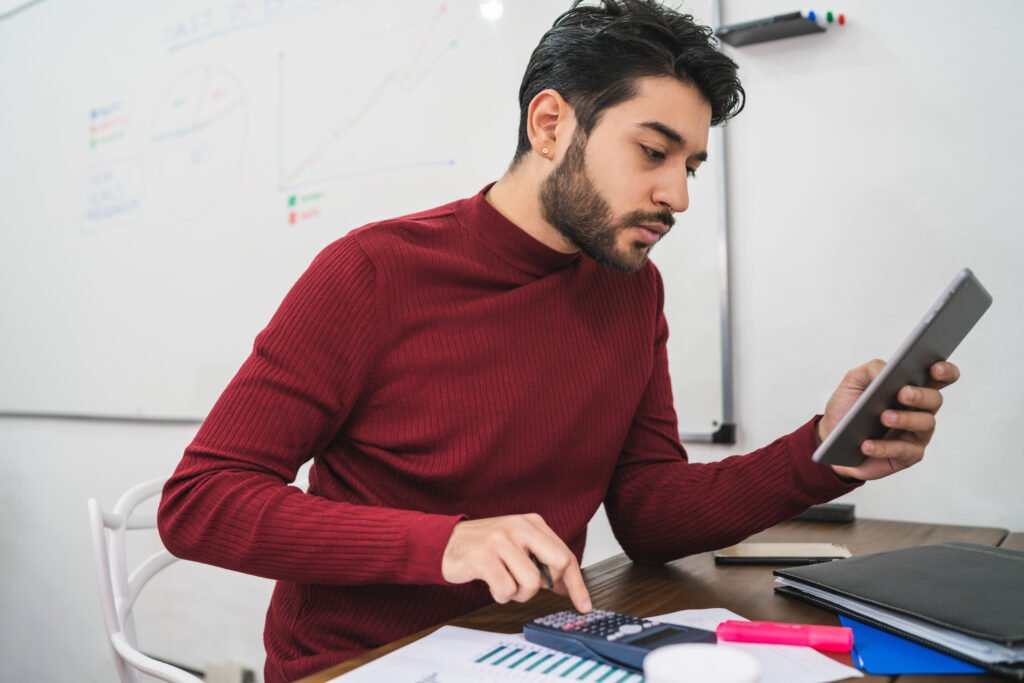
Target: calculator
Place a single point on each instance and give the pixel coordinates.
(615, 639)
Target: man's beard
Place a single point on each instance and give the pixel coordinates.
(572, 204)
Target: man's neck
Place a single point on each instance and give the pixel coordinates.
(516, 196)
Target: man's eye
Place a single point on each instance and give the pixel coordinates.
(652, 154)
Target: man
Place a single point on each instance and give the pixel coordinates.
(473, 381)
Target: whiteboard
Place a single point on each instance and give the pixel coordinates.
(171, 168)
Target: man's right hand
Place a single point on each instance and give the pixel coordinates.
(497, 551)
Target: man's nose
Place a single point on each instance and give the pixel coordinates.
(674, 193)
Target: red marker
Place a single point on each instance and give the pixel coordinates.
(830, 638)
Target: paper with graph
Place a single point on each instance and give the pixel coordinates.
(459, 655)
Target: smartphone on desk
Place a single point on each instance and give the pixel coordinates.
(615, 639)
(781, 553)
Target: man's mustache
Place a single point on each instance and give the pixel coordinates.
(664, 217)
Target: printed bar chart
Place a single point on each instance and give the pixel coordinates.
(545, 664)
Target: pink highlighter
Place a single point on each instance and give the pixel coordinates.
(830, 638)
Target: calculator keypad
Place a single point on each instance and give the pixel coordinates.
(600, 623)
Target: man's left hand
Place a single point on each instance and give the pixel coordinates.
(909, 430)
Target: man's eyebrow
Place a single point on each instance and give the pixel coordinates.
(672, 134)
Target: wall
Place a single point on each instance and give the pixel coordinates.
(871, 163)
(52, 621)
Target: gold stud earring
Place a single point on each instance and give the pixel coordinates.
(544, 151)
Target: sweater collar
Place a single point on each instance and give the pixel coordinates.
(508, 241)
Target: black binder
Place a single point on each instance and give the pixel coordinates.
(973, 589)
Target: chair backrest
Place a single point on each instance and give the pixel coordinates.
(119, 589)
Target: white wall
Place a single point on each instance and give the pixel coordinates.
(871, 163)
(52, 624)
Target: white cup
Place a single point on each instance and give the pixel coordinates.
(701, 663)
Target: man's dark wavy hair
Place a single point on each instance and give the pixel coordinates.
(594, 54)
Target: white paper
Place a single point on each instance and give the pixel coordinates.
(779, 663)
(451, 654)
(459, 655)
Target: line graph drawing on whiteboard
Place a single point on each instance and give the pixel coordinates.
(198, 140)
(331, 97)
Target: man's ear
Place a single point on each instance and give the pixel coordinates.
(550, 120)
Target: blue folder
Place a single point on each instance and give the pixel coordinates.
(878, 652)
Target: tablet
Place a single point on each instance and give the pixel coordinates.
(941, 330)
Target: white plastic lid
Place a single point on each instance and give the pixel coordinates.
(701, 663)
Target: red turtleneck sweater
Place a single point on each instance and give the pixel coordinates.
(440, 366)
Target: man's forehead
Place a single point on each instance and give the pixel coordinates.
(668, 107)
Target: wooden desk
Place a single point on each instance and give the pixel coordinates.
(696, 582)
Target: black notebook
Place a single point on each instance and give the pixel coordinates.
(930, 594)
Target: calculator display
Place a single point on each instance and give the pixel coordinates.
(653, 639)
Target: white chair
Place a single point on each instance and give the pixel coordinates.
(119, 590)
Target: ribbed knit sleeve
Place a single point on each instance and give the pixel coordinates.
(662, 507)
(229, 502)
